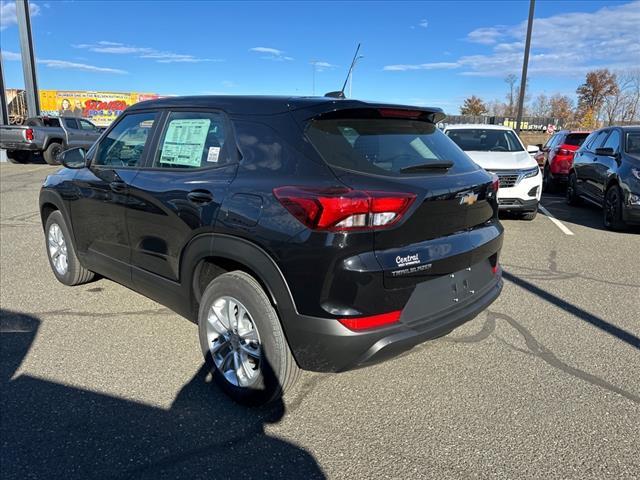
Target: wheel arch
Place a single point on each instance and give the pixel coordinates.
(49, 141)
(50, 202)
(220, 253)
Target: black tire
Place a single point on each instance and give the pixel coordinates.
(529, 215)
(51, 153)
(75, 273)
(548, 184)
(278, 370)
(571, 195)
(612, 209)
(18, 156)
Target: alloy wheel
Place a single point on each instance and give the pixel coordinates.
(58, 249)
(611, 206)
(234, 341)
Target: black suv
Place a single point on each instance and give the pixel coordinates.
(299, 233)
(606, 172)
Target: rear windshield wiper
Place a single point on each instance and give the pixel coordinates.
(441, 165)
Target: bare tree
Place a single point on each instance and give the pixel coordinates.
(622, 104)
(512, 94)
(541, 106)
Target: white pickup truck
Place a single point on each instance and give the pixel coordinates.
(48, 136)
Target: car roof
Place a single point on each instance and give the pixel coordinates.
(268, 105)
(469, 126)
(586, 132)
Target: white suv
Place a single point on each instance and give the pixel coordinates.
(498, 149)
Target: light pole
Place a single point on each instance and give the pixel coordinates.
(351, 75)
(525, 63)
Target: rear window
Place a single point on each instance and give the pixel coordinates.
(383, 146)
(485, 140)
(576, 139)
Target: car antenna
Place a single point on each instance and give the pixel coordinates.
(340, 93)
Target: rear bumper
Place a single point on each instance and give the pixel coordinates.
(23, 147)
(325, 345)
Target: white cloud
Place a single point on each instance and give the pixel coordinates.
(321, 66)
(64, 64)
(271, 53)
(117, 48)
(424, 23)
(10, 56)
(567, 44)
(229, 84)
(421, 66)
(8, 13)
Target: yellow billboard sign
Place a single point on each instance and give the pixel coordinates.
(101, 108)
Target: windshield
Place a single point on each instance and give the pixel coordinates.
(485, 140)
(633, 143)
(383, 146)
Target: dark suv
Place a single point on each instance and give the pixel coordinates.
(314, 233)
(606, 172)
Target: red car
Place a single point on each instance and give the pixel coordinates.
(555, 158)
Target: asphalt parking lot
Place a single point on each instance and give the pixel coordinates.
(100, 382)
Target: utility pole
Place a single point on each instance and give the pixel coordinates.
(525, 64)
(28, 57)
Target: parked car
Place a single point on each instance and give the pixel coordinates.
(48, 136)
(314, 233)
(556, 157)
(606, 172)
(498, 150)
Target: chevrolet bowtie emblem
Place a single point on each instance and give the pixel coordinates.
(468, 199)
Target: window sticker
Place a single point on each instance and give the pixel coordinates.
(214, 153)
(184, 142)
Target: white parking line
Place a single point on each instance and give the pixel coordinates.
(557, 222)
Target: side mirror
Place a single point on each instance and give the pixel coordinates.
(532, 149)
(605, 152)
(74, 158)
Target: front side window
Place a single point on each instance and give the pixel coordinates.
(193, 140)
(485, 140)
(598, 138)
(613, 141)
(383, 146)
(633, 143)
(124, 145)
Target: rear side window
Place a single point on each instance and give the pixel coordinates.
(124, 145)
(575, 139)
(382, 146)
(71, 123)
(193, 140)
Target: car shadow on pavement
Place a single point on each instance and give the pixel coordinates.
(585, 214)
(623, 335)
(51, 430)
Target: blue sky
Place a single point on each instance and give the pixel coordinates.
(434, 53)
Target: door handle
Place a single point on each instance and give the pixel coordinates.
(200, 197)
(118, 187)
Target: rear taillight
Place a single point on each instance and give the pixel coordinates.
(374, 321)
(495, 183)
(564, 151)
(398, 113)
(341, 208)
(28, 134)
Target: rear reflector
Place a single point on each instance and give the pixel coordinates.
(341, 208)
(375, 321)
